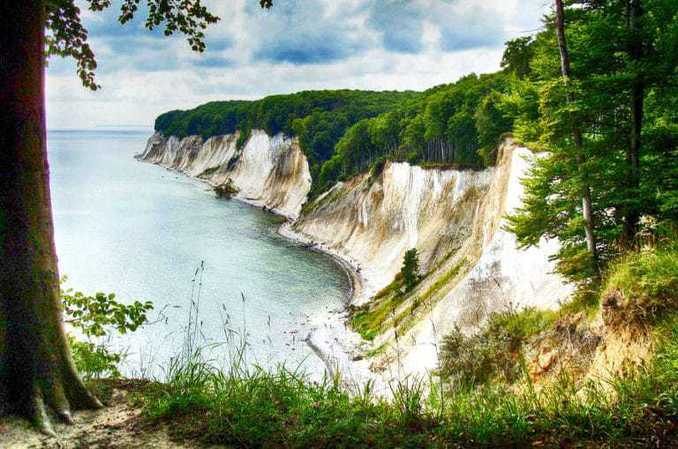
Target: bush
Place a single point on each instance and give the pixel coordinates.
(642, 285)
(96, 318)
(470, 361)
(495, 353)
(410, 269)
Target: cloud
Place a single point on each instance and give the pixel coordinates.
(213, 62)
(297, 45)
(303, 32)
(458, 25)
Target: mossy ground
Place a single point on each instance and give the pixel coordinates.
(395, 308)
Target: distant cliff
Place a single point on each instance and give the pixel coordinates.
(267, 171)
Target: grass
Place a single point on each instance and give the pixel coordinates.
(260, 409)
(254, 408)
(379, 314)
(442, 281)
(644, 284)
(372, 318)
(525, 323)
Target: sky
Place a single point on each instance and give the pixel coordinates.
(297, 45)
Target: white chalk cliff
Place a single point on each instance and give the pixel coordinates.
(267, 171)
(454, 218)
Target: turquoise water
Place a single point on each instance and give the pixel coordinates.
(141, 231)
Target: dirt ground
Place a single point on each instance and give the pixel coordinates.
(118, 425)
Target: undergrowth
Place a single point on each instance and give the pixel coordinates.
(375, 317)
(255, 408)
(644, 284)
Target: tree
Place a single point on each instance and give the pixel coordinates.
(597, 100)
(410, 269)
(587, 207)
(517, 56)
(36, 366)
(491, 122)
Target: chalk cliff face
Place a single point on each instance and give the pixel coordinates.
(454, 218)
(268, 171)
(372, 220)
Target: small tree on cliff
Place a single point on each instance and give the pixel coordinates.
(410, 269)
(36, 367)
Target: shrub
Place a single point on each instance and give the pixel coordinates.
(96, 318)
(642, 285)
(494, 353)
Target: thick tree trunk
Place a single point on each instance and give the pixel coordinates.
(36, 368)
(632, 215)
(587, 207)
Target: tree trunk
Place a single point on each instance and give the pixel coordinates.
(587, 207)
(632, 215)
(36, 368)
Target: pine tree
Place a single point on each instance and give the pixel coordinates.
(410, 269)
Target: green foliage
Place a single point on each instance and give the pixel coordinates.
(371, 319)
(346, 132)
(96, 318)
(441, 281)
(410, 269)
(379, 314)
(91, 315)
(492, 122)
(495, 353)
(254, 408)
(517, 56)
(318, 118)
(645, 283)
(607, 69)
(67, 37)
(94, 361)
(259, 409)
(446, 125)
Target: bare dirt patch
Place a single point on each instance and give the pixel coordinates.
(118, 425)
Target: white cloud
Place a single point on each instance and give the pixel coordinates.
(143, 75)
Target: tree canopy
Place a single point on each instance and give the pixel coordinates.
(345, 132)
(625, 86)
(66, 36)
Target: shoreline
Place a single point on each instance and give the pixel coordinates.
(330, 338)
(356, 280)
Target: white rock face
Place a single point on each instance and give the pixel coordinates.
(268, 171)
(455, 219)
(372, 223)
